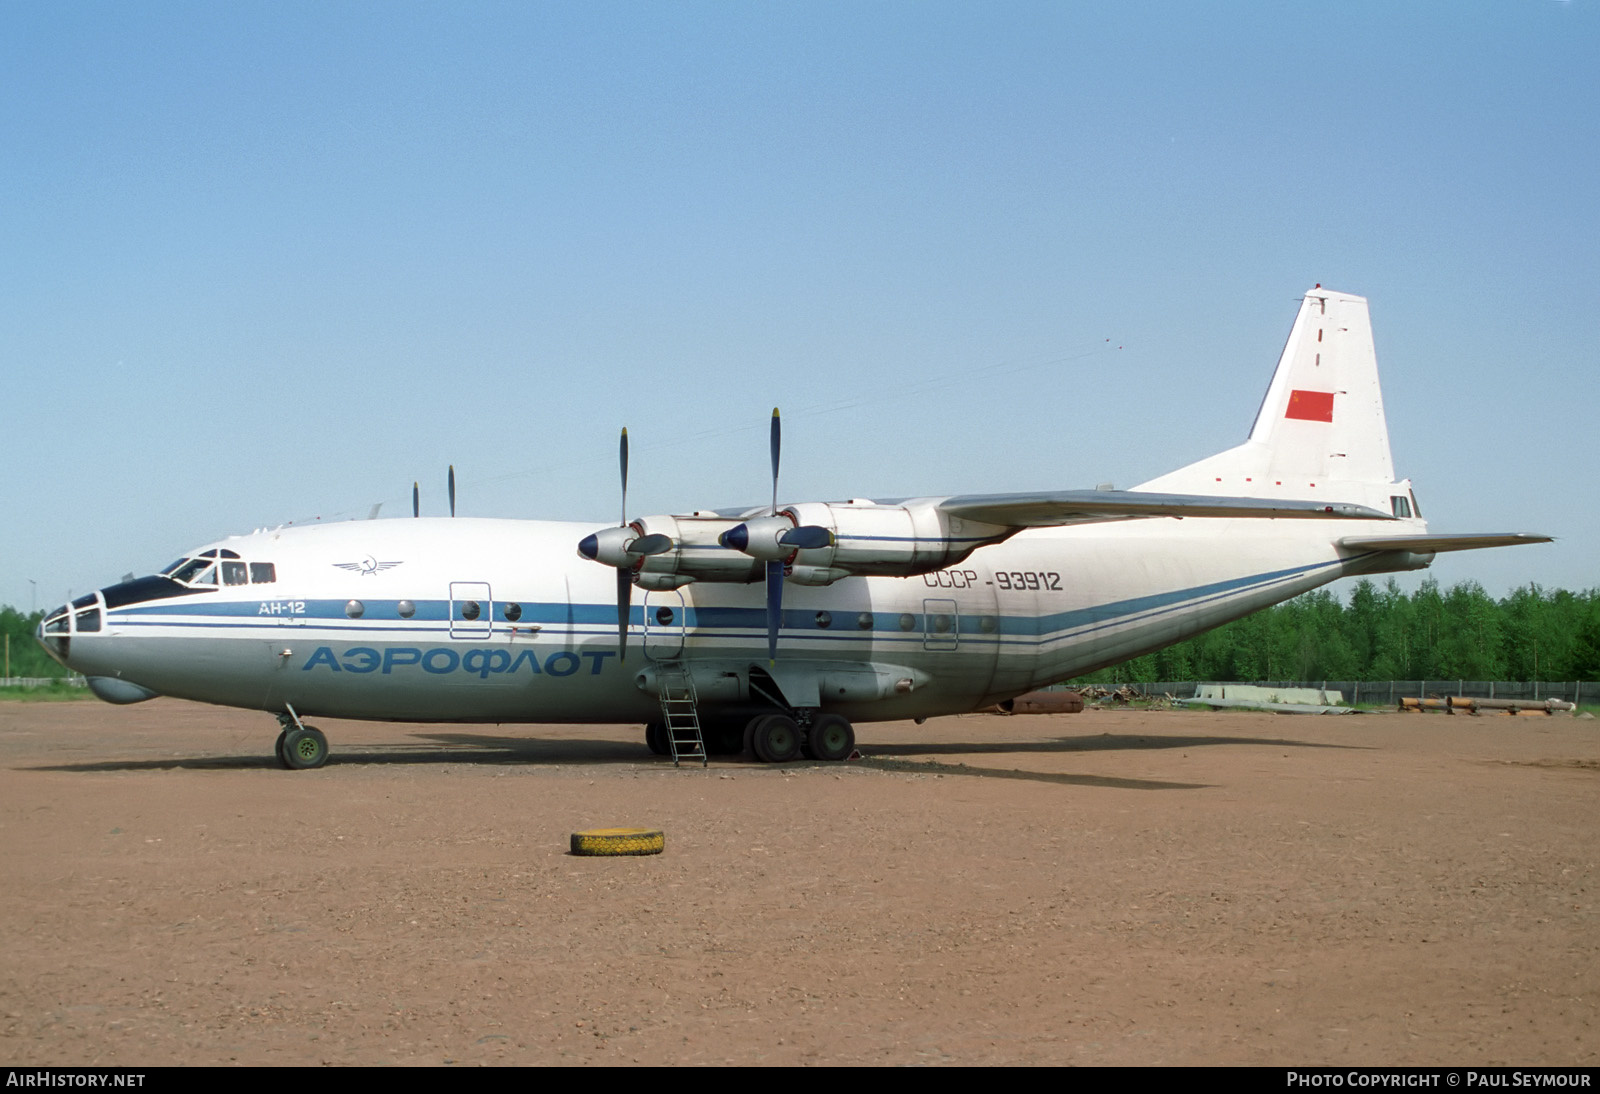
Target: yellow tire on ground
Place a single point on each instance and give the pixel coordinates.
(619, 841)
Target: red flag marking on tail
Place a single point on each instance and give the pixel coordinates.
(1310, 406)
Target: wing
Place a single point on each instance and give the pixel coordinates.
(1057, 507)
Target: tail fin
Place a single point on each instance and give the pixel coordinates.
(1320, 432)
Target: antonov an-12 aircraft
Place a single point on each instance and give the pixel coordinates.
(774, 628)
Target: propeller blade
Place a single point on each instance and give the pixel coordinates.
(452, 490)
(624, 609)
(622, 458)
(777, 440)
(807, 537)
(624, 575)
(416, 499)
(774, 608)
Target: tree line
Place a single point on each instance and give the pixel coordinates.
(27, 658)
(1460, 633)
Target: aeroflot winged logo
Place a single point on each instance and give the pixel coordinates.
(367, 566)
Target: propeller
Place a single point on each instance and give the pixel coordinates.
(623, 548)
(452, 490)
(774, 565)
(775, 539)
(416, 499)
(624, 575)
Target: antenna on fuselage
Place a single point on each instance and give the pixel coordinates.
(416, 499)
(452, 490)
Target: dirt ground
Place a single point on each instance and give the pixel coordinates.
(1113, 887)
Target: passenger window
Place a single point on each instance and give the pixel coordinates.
(262, 573)
(233, 573)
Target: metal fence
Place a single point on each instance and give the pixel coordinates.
(41, 681)
(1391, 691)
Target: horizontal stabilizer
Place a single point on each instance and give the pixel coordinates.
(1056, 507)
(1423, 544)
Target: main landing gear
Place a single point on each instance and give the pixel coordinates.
(300, 746)
(773, 738)
(779, 738)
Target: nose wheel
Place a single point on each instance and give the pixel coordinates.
(300, 747)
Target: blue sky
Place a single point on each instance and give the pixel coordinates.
(274, 262)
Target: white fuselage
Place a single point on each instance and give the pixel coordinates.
(477, 620)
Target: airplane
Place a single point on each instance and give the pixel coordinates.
(773, 629)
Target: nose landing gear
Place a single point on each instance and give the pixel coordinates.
(300, 747)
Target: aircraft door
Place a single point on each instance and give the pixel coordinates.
(941, 625)
(663, 625)
(471, 609)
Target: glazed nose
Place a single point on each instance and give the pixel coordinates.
(55, 632)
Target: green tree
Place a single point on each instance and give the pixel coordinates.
(27, 657)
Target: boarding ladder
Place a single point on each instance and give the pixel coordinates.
(680, 712)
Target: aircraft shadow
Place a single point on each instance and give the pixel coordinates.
(458, 749)
(470, 748)
(1099, 742)
(931, 767)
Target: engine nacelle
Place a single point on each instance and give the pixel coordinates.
(865, 538)
(695, 554)
(893, 540)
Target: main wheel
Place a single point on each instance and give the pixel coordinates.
(831, 737)
(775, 739)
(277, 749)
(655, 736)
(305, 748)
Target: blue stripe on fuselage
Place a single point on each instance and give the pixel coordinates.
(722, 621)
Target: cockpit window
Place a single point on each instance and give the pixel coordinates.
(233, 573)
(263, 573)
(171, 567)
(197, 571)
